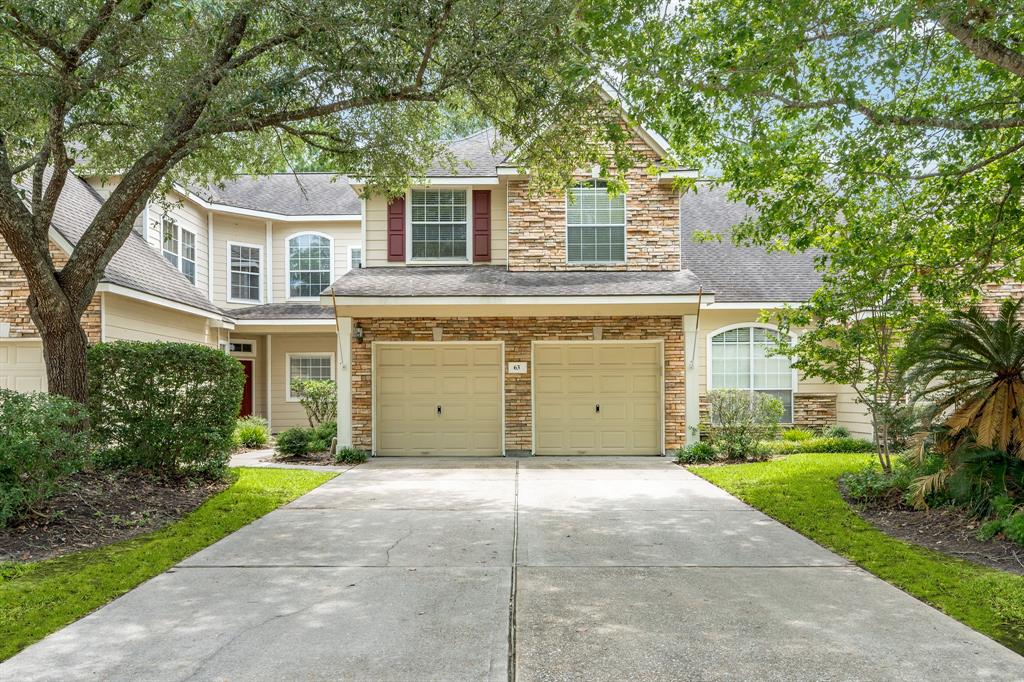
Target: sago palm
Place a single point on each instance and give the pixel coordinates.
(974, 366)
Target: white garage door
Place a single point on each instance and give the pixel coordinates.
(597, 398)
(21, 365)
(438, 399)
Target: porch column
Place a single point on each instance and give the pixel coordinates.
(692, 381)
(344, 382)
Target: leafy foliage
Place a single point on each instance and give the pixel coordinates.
(350, 456)
(293, 442)
(797, 434)
(835, 432)
(251, 432)
(42, 440)
(166, 407)
(822, 444)
(319, 398)
(700, 452)
(741, 419)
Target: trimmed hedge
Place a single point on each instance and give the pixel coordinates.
(789, 447)
(166, 407)
(41, 441)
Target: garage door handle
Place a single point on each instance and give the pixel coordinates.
(439, 409)
(597, 408)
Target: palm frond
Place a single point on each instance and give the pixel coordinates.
(924, 486)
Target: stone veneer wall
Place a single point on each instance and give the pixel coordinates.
(537, 227)
(993, 295)
(14, 297)
(517, 333)
(814, 410)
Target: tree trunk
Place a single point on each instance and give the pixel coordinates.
(64, 347)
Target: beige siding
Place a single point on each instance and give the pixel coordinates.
(130, 320)
(377, 225)
(343, 235)
(286, 413)
(239, 230)
(849, 413)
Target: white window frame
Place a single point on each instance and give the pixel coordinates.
(747, 325)
(409, 260)
(180, 258)
(288, 263)
(228, 297)
(352, 247)
(242, 354)
(288, 371)
(625, 230)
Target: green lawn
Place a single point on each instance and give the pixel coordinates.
(41, 597)
(801, 492)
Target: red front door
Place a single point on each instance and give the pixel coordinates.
(246, 409)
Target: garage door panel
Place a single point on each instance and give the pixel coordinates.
(21, 366)
(465, 380)
(625, 379)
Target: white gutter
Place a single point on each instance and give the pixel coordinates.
(108, 288)
(252, 213)
(512, 300)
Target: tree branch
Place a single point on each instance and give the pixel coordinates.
(983, 47)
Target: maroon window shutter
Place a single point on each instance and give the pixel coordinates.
(396, 230)
(481, 225)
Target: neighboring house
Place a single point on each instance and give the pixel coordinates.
(467, 317)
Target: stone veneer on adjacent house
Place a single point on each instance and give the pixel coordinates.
(537, 227)
(810, 410)
(517, 333)
(14, 297)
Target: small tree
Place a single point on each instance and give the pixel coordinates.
(320, 399)
(741, 419)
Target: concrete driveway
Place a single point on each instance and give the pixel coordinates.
(528, 569)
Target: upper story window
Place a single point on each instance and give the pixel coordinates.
(741, 359)
(244, 277)
(179, 247)
(596, 224)
(310, 265)
(355, 257)
(439, 224)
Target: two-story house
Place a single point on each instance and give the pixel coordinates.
(467, 317)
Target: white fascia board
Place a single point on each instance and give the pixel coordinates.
(450, 181)
(60, 241)
(750, 305)
(281, 323)
(385, 301)
(651, 137)
(108, 287)
(669, 175)
(268, 215)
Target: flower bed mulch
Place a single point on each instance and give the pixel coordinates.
(99, 508)
(945, 529)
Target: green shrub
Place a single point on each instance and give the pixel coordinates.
(41, 442)
(696, 453)
(294, 442)
(835, 432)
(317, 444)
(326, 431)
(167, 407)
(741, 419)
(832, 445)
(348, 455)
(796, 434)
(251, 432)
(319, 398)
(871, 483)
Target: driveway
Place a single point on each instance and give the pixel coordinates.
(526, 569)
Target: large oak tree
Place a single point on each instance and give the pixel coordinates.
(193, 91)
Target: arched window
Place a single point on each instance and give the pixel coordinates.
(741, 358)
(309, 265)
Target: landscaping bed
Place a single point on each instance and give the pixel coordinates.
(802, 492)
(40, 597)
(96, 508)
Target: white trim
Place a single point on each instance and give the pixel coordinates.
(510, 300)
(270, 262)
(362, 259)
(270, 384)
(751, 305)
(227, 253)
(251, 359)
(252, 213)
(670, 175)
(625, 230)
(288, 263)
(659, 342)
(692, 380)
(103, 318)
(446, 181)
(362, 227)
(288, 370)
(156, 300)
(409, 260)
(343, 385)
(209, 255)
(709, 335)
(250, 354)
(373, 382)
(145, 221)
(301, 322)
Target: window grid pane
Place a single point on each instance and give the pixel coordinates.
(188, 255)
(245, 273)
(439, 224)
(309, 265)
(171, 246)
(308, 367)
(596, 224)
(356, 257)
(742, 359)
